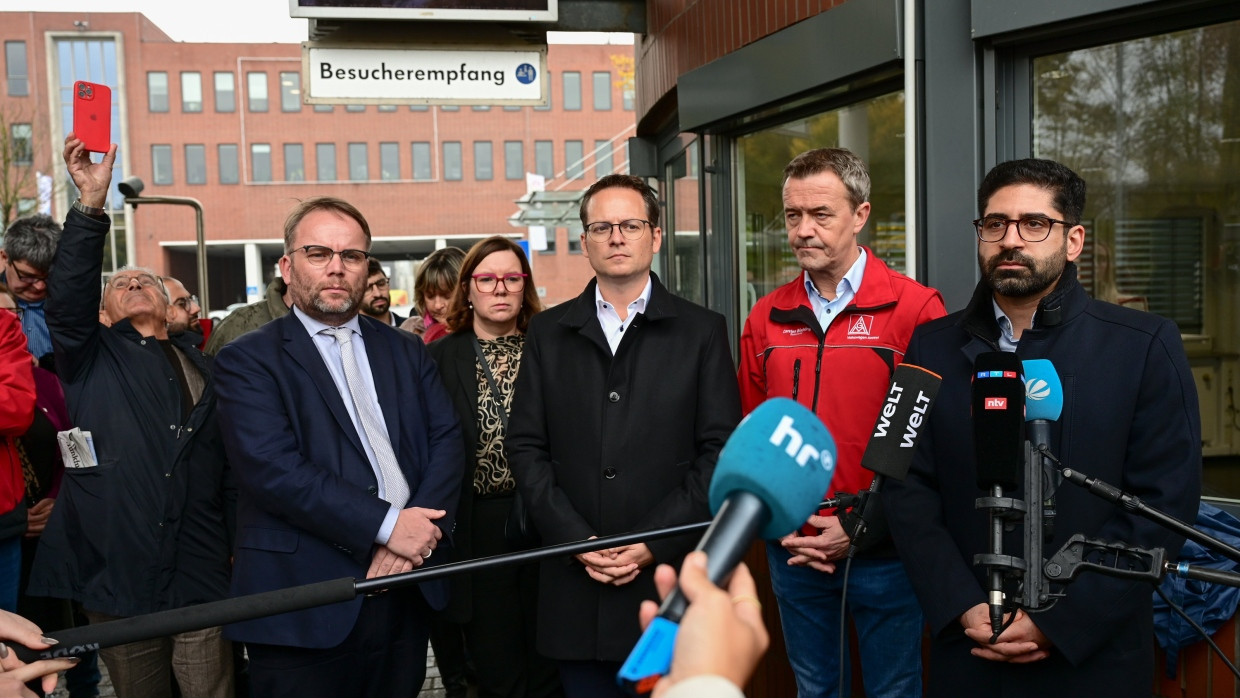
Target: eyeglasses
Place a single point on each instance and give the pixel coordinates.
(186, 303)
(16, 311)
(632, 229)
(27, 278)
(321, 256)
(381, 284)
(486, 283)
(1029, 228)
(120, 283)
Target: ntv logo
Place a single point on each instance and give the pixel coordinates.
(797, 448)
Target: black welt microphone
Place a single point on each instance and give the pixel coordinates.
(998, 408)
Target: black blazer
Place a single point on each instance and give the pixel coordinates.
(603, 445)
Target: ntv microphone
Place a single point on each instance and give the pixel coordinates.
(998, 408)
(769, 478)
(889, 453)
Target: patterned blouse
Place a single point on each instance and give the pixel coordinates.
(503, 354)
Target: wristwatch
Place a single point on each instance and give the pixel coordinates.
(88, 210)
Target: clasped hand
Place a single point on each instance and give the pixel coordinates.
(413, 539)
(616, 566)
(1021, 643)
(818, 552)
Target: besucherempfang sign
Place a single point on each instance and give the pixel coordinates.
(336, 75)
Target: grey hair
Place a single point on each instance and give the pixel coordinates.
(842, 162)
(145, 270)
(33, 239)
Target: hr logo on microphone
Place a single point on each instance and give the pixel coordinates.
(796, 447)
(996, 403)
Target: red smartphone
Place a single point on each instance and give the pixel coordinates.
(92, 115)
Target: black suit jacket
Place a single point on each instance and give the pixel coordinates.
(602, 445)
(309, 508)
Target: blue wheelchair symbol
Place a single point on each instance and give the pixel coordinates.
(526, 73)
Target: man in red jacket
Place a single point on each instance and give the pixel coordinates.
(830, 339)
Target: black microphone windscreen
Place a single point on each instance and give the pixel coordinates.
(900, 421)
(998, 407)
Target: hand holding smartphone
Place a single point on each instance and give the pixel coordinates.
(92, 115)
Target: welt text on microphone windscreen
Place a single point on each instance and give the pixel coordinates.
(998, 405)
(900, 421)
(782, 453)
(1043, 391)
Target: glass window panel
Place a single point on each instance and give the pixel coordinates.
(574, 151)
(872, 129)
(225, 92)
(195, 164)
(512, 107)
(294, 162)
(544, 158)
(359, 166)
(449, 107)
(514, 160)
(157, 91)
(260, 162)
(603, 164)
(483, 167)
(387, 108)
(628, 99)
(452, 170)
(229, 171)
(421, 154)
(25, 207)
(161, 164)
(481, 107)
(290, 92)
(323, 108)
(419, 107)
(191, 92)
(682, 230)
(355, 108)
(572, 91)
(22, 144)
(389, 161)
(602, 91)
(256, 91)
(15, 69)
(325, 161)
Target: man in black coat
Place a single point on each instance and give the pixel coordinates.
(1130, 417)
(624, 397)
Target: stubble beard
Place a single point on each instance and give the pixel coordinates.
(312, 303)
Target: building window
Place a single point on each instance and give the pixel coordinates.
(229, 171)
(514, 160)
(544, 159)
(452, 169)
(157, 91)
(483, 168)
(481, 107)
(419, 107)
(449, 107)
(191, 92)
(603, 164)
(290, 92)
(161, 164)
(572, 91)
(389, 161)
(260, 162)
(294, 162)
(225, 92)
(628, 99)
(15, 68)
(323, 108)
(355, 108)
(196, 164)
(256, 91)
(26, 207)
(602, 91)
(512, 107)
(421, 160)
(325, 161)
(387, 108)
(359, 168)
(550, 235)
(573, 155)
(22, 143)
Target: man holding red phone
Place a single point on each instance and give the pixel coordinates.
(145, 525)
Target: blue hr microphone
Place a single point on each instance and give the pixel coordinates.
(769, 479)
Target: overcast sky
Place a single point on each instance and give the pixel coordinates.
(232, 21)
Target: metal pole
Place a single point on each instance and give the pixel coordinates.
(203, 294)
